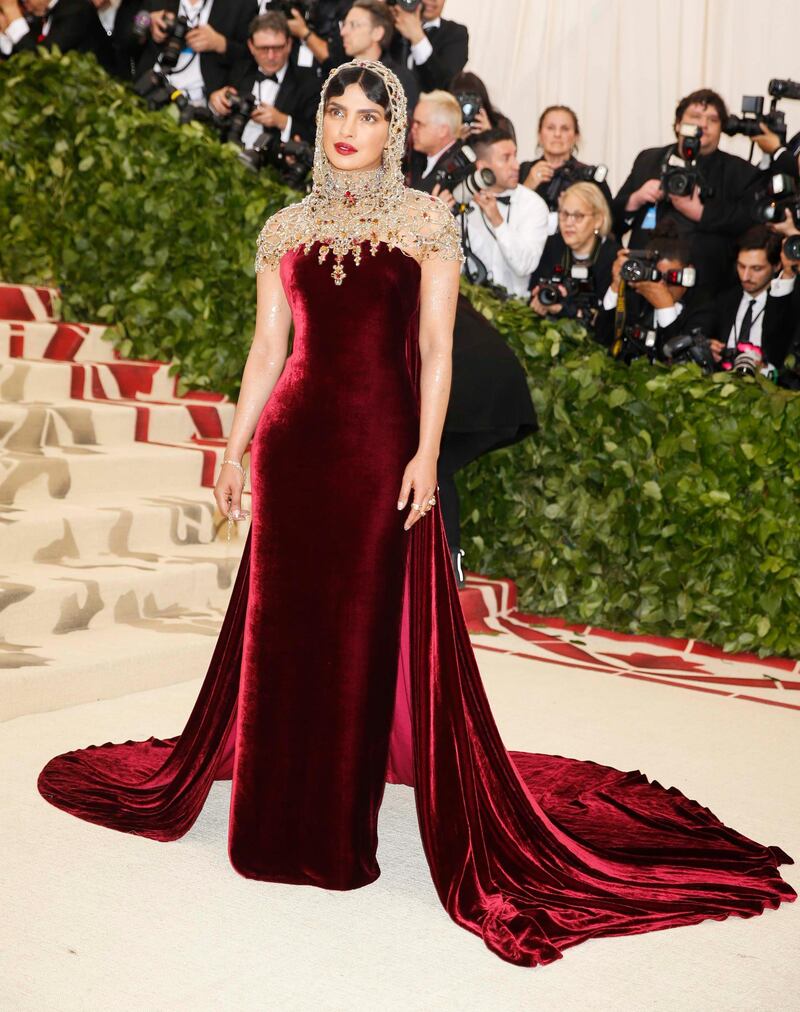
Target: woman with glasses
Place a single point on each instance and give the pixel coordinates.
(575, 269)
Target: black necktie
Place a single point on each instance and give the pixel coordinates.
(261, 76)
(504, 200)
(747, 322)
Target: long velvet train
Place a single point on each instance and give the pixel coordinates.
(534, 853)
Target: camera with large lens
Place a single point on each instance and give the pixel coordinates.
(692, 347)
(242, 108)
(753, 115)
(460, 176)
(744, 359)
(569, 173)
(308, 8)
(579, 299)
(471, 105)
(791, 250)
(778, 195)
(293, 159)
(641, 266)
(637, 342)
(407, 5)
(174, 44)
(679, 173)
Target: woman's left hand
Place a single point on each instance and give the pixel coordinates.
(420, 474)
(481, 122)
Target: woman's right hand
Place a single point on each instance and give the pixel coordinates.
(228, 491)
(540, 172)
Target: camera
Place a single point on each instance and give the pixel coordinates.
(293, 159)
(753, 115)
(242, 108)
(177, 30)
(641, 266)
(636, 342)
(308, 8)
(407, 5)
(140, 27)
(460, 176)
(783, 88)
(569, 173)
(692, 347)
(471, 105)
(581, 300)
(679, 173)
(745, 359)
(775, 198)
(791, 248)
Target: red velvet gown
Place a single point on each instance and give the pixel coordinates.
(344, 661)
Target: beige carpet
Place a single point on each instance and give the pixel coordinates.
(95, 920)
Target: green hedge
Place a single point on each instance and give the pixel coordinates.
(651, 501)
(143, 224)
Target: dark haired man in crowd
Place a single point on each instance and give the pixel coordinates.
(434, 48)
(758, 310)
(216, 40)
(68, 24)
(287, 95)
(367, 32)
(650, 312)
(316, 41)
(711, 216)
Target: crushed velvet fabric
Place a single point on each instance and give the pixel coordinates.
(344, 661)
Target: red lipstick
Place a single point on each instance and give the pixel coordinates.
(345, 149)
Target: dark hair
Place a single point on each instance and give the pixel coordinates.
(370, 83)
(560, 108)
(760, 237)
(480, 142)
(704, 96)
(272, 21)
(670, 244)
(380, 17)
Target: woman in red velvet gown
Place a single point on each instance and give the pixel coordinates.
(344, 661)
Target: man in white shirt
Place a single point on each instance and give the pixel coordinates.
(758, 311)
(434, 48)
(506, 223)
(435, 126)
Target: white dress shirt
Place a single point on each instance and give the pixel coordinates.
(421, 50)
(511, 251)
(266, 92)
(778, 288)
(433, 159)
(187, 76)
(664, 317)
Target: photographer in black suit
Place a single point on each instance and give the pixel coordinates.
(216, 40)
(434, 48)
(637, 317)
(713, 214)
(435, 129)
(316, 41)
(117, 17)
(287, 96)
(68, 24)
(759, 311)
(366, 34)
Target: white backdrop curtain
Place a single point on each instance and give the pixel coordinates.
(622, 65)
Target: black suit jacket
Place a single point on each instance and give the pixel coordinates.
(554, 254)
(415, 166)
(298, 94)
(229, 17)
(74, 24)
(726, 214)
(450, 43)
(696, 313)
(777, 326)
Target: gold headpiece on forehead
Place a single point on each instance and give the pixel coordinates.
(346, 209)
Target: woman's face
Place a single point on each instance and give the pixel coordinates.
(558, 135)
(355, 131)
(577, 221)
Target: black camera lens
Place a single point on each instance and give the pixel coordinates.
(791, 248)
(636, 269)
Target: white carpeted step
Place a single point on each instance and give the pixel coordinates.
(28, 426)
(27, 479)
(38, 600)
(104, 663)
(60, 530)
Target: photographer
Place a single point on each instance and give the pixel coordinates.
(576, 265)
(435, 129)
(432, 47)
(477, 112)
(286, 97)
(367, 31)
(68, 24)
(216, 33)
(117, 18)
(637, 317)
(314, 29)
(558, 168)
(759, 311)
(708, 195)
(506, 224)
